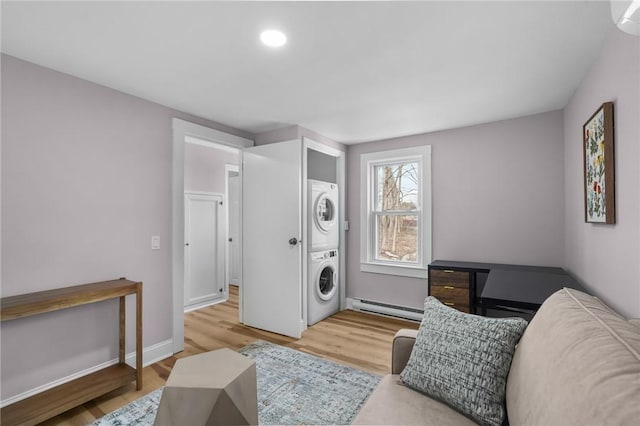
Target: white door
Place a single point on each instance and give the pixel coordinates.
(204, 249)
(271, 233)
(234, 226)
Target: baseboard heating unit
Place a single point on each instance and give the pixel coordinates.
(372, 307)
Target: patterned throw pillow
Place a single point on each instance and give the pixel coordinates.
(463, 360)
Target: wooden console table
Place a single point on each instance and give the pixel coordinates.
(59, 399)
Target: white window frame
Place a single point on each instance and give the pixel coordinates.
(368, 261)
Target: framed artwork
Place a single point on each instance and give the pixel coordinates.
(598, 160)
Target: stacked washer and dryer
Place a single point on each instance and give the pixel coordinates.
(323, 297)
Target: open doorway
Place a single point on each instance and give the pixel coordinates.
(206, 224)
(192, 145)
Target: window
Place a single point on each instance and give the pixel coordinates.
(396, 212)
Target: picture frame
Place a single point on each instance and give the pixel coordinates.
(599, 166)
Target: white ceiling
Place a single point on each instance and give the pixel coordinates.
(351, 71)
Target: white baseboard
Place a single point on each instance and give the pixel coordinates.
(205, 304)
(150, 355)
(349, 303)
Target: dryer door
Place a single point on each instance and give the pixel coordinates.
(326, 281)
(325, 213)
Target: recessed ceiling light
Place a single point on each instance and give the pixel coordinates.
(273, 38)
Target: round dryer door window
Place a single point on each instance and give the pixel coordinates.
(325, 213)
(326, 283)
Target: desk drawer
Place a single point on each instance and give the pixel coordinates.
(454, 297)
(448, 277)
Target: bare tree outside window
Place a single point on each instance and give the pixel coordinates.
(397, 211)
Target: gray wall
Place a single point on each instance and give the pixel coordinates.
(606, 258)
(86, 182)
(497, 195)
(277, 135)
(321, 166)
(293, 132)
(204, 168)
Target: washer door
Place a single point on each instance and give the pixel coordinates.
(326, 282)
(324, 214)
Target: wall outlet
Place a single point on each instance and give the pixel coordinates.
(155, 242)
(346, 225)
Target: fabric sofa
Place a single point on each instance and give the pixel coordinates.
(577, 363)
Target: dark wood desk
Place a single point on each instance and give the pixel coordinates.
(513, 289)
(520, 288)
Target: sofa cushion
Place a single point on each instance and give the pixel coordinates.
(463, 360)
(578, 363)
(394, 404)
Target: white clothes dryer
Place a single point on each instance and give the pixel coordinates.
(323, 297)
(323, 233)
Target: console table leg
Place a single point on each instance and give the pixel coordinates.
(123, 323)
(139, 337)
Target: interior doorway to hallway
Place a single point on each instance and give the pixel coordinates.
(206, 248)
(188, 137)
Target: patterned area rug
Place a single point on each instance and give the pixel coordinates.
(294, 388)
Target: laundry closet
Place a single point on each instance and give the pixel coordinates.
(292, 235)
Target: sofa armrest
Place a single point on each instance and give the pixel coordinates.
(401, 349)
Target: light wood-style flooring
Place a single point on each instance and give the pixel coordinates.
(356, 339)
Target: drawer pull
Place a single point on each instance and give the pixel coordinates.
(449, 304)
(449, 287)
(448, 271)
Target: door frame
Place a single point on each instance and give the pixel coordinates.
(181, 130)
(342, 245)
(228, 169)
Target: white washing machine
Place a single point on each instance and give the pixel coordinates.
(323, 215)
(323, 297)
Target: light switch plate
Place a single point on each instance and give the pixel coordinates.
(155, 242)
